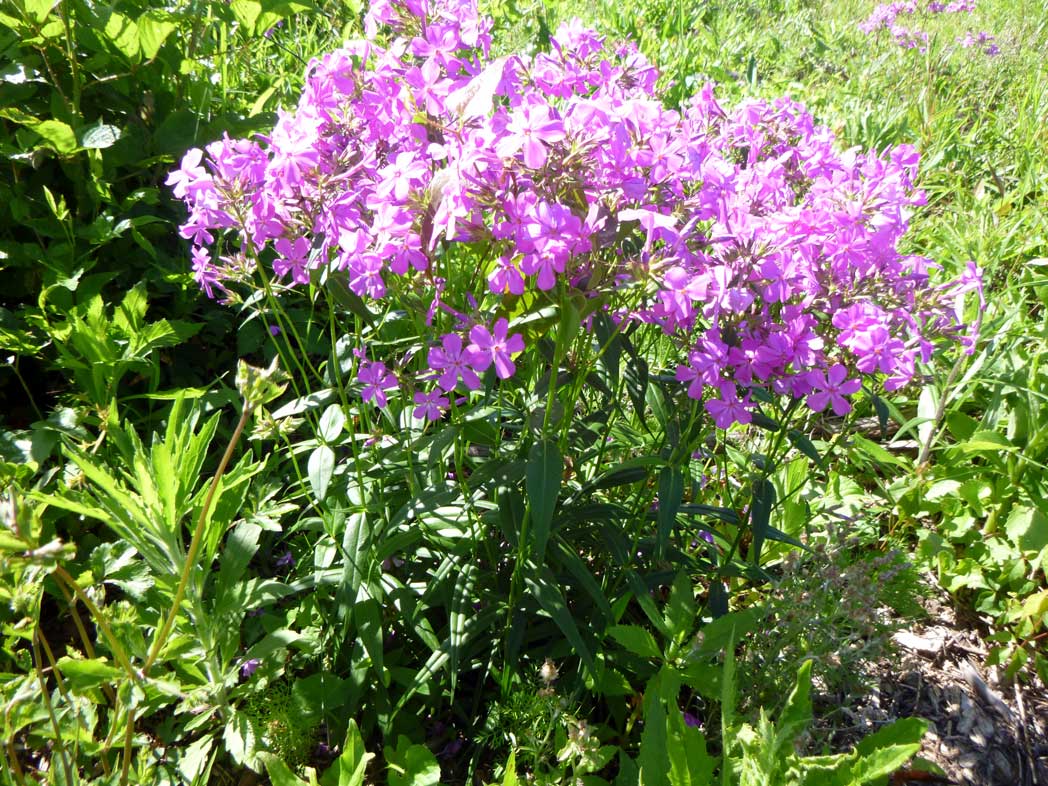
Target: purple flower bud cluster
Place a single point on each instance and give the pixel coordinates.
(769, 256)
(983, 40)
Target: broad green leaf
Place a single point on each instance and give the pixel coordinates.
(1027, 528)
(319, 696)
(331, 423)
(653, 754)
(637, 640)
(461, 607)
(986, 442)
(99, 136)
(544, 472)
(367, 614)
(805, 446)
(411, 765)
(153, 30)
(689, 763)
(124, 34)
(57, 134)
(320, 469)
(681, 610)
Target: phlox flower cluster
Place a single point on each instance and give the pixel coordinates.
(886, 15)
(769, 256)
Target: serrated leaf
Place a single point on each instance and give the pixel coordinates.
(636, 640)
(86, 674)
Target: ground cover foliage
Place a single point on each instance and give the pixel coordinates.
(520, 478)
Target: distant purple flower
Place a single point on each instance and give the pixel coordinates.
(377, 380)
(248, 668)
(692, 720)
(285, 561)
(495, 347)
(274, 330)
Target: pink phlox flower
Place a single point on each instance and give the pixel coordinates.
(293, 258)
(365, 276)
(377, 379)
(495, 346)
(729, 408)
(407, 171)
(454, 362)
(830, 388)
(431, 406)
(531, 128)
(506, 278)
(190, 176)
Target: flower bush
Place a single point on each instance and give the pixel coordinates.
(420, 171)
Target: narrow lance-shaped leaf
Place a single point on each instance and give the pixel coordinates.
(545, 468)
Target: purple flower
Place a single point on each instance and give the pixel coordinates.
(377, 380)
(431, 406)
(531, 127)
(495, 347)
(831, 388)
(692, 720)
(454, 362)
(248, 668)
(728, 409)
(286, 560)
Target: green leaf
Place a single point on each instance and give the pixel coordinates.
(99, 136)
(689, 763)
(153, 30)
(760, 513)
(986, 441)
(319, 696)
(1027, 528)
(279, 773)
(805, 446)
(681, 611)
(509, 775)
(544, 589)
(57, 134)
(331, 423)
(86, 674)
(461, 607)
(637, 640)
(412, 765)
(544, 472)
(320, 469)
(797, 713)
(123, 33)
(368, 617)
(887, 750)
(671, 492)
(349, 768)
(653, 754)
